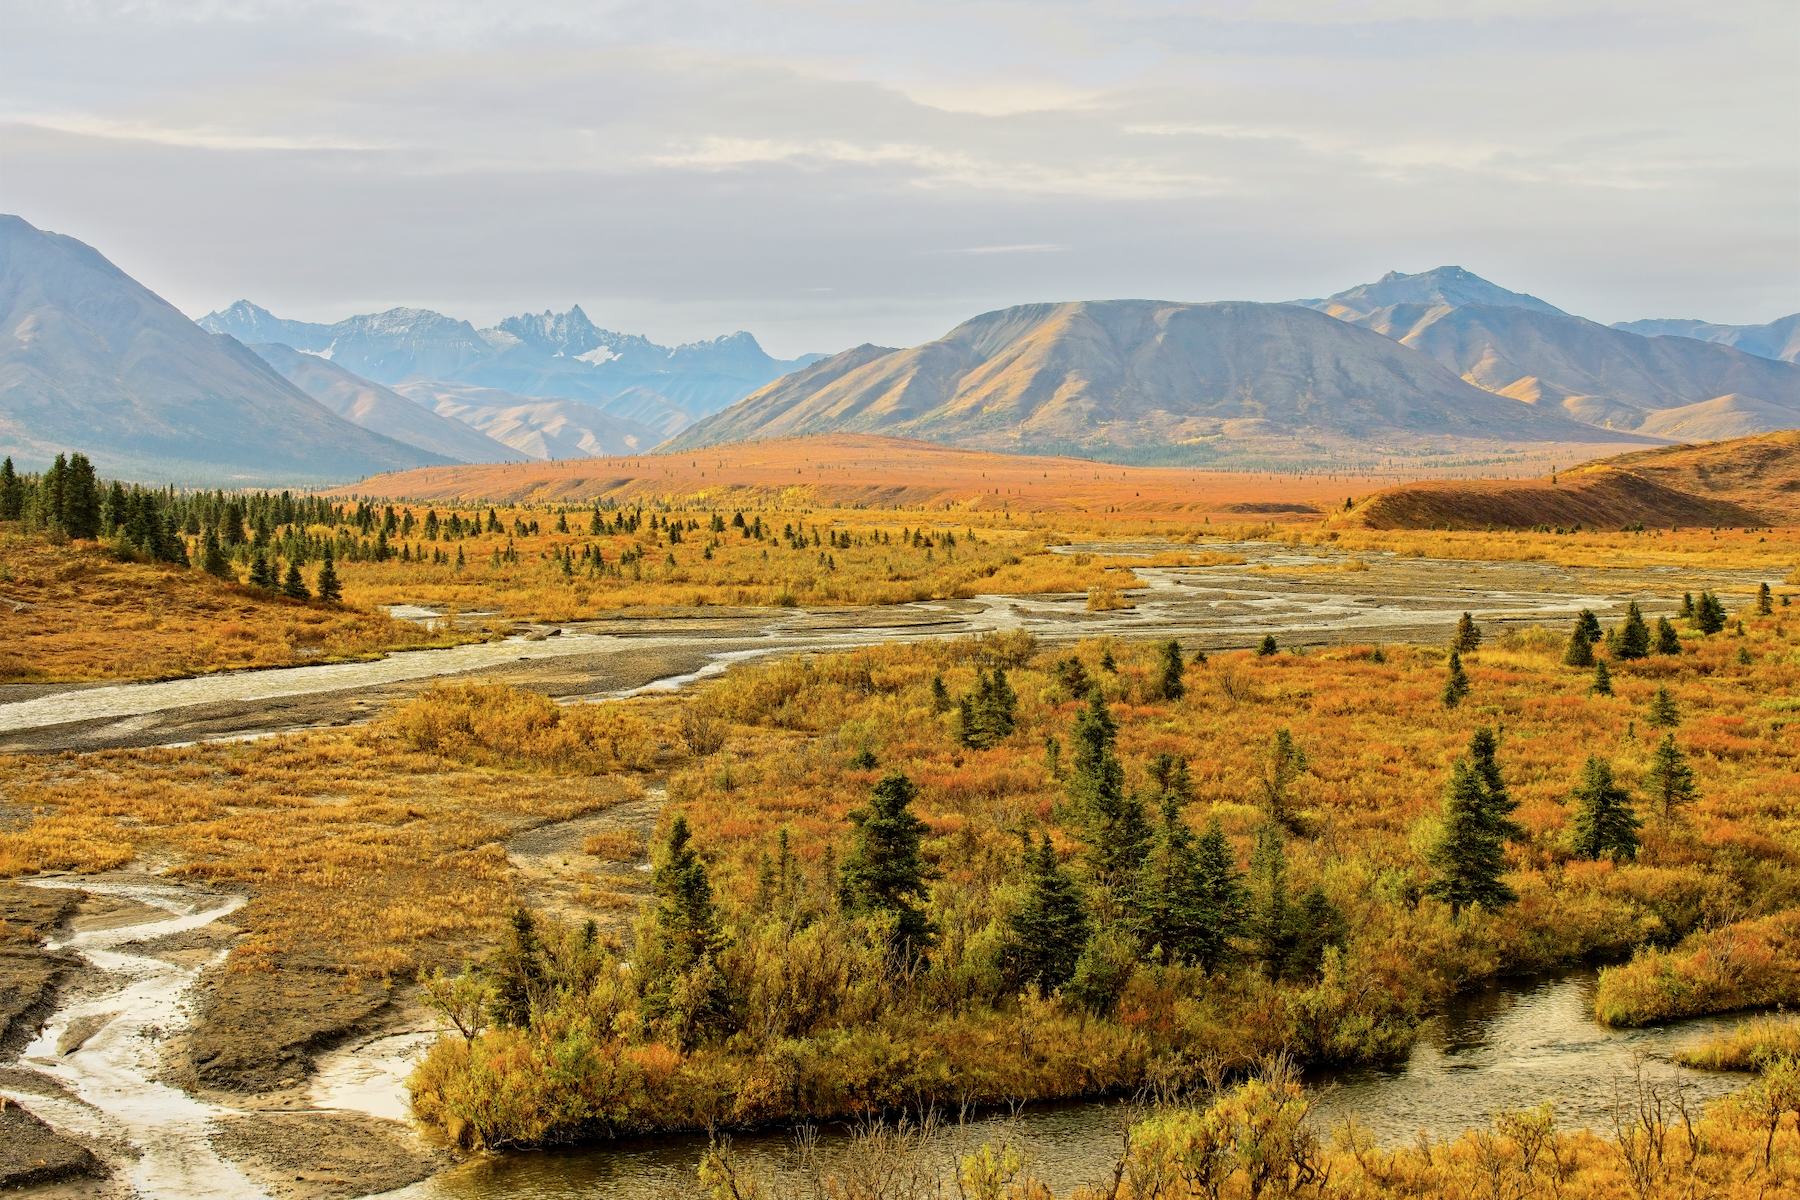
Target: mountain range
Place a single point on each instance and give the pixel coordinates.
(534, 356)
(1427, 363)
(92, 360)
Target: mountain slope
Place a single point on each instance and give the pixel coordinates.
(374, 407)
(535, 427)
(1443, 287)
(1778, 339)
(1605, 377)
(1112, 376)
(92, 360)
(544, 354)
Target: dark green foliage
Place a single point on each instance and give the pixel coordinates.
(261, 574)
(1456, 682)
(1468, 635)
(1765, 600)
(1113, 822)
(1709, 614)
(1106, 661)
(685, 915)
(1291, 938)
(1467, 859)
(884, 871)
(1662, 714)
(1667, 640)
(1687, 606)
(212, 557)
(987, 715)
(1670, 781)
(1743, 656)
(679, 944)
(1199, 658)
(12, 492)
(1605, 825)
(1187, 898)
(1634, 635)
(328, 588)
(1284, 763)
(1051, 927)
(1602, 685)
(1587, 626)
(517, 973)
(1103, 970)
(1267, 646)
(940, 696)
(1580, 652)
(1073, 676)
(294, 587)
(1170, 684)
(864, 761)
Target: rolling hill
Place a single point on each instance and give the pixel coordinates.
(1740, 483)
(1114, 379)
(1612, 378)
(92, 360)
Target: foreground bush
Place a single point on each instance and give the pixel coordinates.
(490, 724)
(1750, 964)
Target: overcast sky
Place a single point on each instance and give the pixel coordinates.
(824, 172)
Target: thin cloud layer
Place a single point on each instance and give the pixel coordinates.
(830, 173)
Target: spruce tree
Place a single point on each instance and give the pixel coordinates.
(328, 588)
(1267, 646)
(1580, 652)
(517, 972)
(686, 918)
(1112, 820)
(884, 871)
(1687, 606)
(293, 586)
(1604, 821)
(678, 944)
(1467, 860)
(12, 492)
(1171, 915)
(1765, 600)
(81, 499)
(212, 557)
(1663, 713)
(1223, 886)
(1282, 765)
(1634, 635)
(1670, 782)
(1317, 924)
(260, 573)
(1468, 635)
(1587, 625)
(1106, 661)
(1497, 806)
(1050, 930)
(1170, 684)
(1709, 614)
(1602, 685)
(940, 695)
(1291, 938)
(1667, 640)
(1456, 682)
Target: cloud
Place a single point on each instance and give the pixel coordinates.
(828, 173)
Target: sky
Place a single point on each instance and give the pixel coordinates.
(830, 172)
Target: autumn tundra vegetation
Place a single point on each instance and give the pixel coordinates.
(916, 878)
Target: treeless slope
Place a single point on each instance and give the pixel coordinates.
(1101, 377)
(864, 470)
(1743, 482)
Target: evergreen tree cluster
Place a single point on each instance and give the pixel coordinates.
(1467, 858)
(987, 713)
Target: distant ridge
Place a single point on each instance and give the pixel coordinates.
(1113, 379)
(92, 360)
(1777, 339)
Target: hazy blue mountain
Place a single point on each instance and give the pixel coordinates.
(536, 426)
(547, 354)
(1443, 287)
(92, 360)
(1778, 339)
(378, 408)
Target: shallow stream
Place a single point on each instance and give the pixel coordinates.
(1515, 1045)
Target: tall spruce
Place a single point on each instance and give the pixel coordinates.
(293, 586)
(987, 714)
(1765, 600)
(1050, 929)
(885, 871)
(1663, 714)
(212, 557)
(1291, 936)
(1170, 684)
(1605, 825)
(1667, 640)
(1670, 781)
(1602, 684)
(1634, 635)
(1468, 635)
(679, 943)
(1709, 614)
(1171, 915)
(327, 588)
(517, 972)
(1225, 894)
(1456, 682)
(1112, 820)
(1580, 651)
(261, 574)
(1282, 766)
(1467, 859)
(12, 492)
(1587, 626)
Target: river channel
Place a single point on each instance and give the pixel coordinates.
(1515, 1045)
